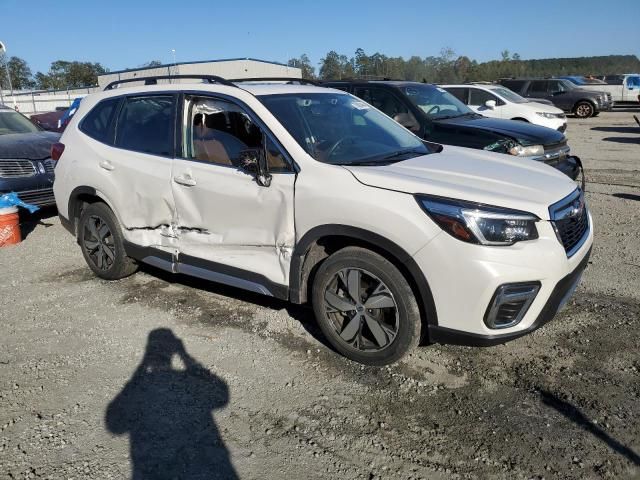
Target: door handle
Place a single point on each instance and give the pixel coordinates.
(185, 180)
(105, 164)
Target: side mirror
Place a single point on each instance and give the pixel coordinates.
(254, 162)
(490, 104)
(408, 121)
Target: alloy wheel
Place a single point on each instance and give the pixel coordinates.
(362, 310)
(98, 242)
(583, 111)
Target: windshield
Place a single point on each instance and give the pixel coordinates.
(13, 122)
(436, 102)
(343, 130)
(509, 95)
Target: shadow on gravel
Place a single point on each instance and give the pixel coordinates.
(623, 139)
(577, 417)
(618, 129)
(627, 196)
(29, 221)
(167, 414)
(302, 313)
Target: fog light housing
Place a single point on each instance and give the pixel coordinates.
(510, 303)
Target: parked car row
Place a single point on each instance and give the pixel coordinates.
(570, 98)
(312, 195)
(438, 115)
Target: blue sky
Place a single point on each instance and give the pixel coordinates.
(124, 34)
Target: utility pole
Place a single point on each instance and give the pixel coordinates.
(3, 52)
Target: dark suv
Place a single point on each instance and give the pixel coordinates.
(564, 95)
(437, 116)
(26, 167)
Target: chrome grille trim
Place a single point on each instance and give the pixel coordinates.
(16, 168)
(41, 197)
(570, 221)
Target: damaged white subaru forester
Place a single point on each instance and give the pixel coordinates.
(308, 194)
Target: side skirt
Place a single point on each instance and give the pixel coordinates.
(207, 270)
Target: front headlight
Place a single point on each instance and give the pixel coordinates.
(530, 151)
(547, 115)
(480, 224)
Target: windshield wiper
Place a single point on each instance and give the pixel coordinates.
(401, 153)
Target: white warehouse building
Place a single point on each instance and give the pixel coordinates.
(228, 68)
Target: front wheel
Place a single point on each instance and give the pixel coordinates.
(584, 110)
(100, 238)
(365, 307)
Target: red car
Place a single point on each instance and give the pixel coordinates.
(58, 120)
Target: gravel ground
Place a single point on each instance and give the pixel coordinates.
(153, 375)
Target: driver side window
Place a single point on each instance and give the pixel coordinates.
(219, 132)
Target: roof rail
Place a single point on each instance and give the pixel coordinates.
(154, 80)
(301, 81)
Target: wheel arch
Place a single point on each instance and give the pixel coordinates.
(80, 196)
(319, 242)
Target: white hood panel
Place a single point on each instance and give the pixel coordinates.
(474, 175)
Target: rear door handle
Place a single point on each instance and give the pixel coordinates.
(106, 165)
(185, 180)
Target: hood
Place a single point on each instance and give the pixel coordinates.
(542, 107)
(474, 175)
(30, 146)
(591, 91)
(525, 133)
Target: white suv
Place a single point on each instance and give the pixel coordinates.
(496, 101)
(309, 194)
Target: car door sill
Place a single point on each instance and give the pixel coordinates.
(207, 270)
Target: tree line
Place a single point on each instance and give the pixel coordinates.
(451, 68)
(448, 67)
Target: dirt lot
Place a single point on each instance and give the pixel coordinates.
(89, 389)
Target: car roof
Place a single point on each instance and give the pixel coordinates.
(396, 83)
(253, 87)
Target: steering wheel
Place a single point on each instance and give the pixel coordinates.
(435, 109)
(331, 150)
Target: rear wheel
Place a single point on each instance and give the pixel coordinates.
(365, 307)
(102, 244)
(584, 110)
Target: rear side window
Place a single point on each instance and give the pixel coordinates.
(97, 123)
(538, 87)
(146, 124)
(459, 93)
(478, 97)
(515, 85)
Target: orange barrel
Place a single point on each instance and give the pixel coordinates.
(9, 226)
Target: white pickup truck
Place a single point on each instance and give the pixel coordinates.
(624, 89)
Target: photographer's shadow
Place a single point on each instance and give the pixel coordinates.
(167, 413)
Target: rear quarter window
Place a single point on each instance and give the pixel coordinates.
(97, 123)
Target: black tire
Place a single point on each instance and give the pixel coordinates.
(380, 283)
(102, 244)
(584, 109)
(595, 114)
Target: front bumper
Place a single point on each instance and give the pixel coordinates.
(464, 277)
(560, 294)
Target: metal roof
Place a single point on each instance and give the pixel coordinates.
(165, 65)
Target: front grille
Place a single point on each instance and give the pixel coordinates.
(556, 151)
(571, 221)
(562, 128)
(49, 165)
(10, 168)
(41, 197)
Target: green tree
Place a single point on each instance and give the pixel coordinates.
(65, 74)
(304, 64)
(330, 66)
(19, 71)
